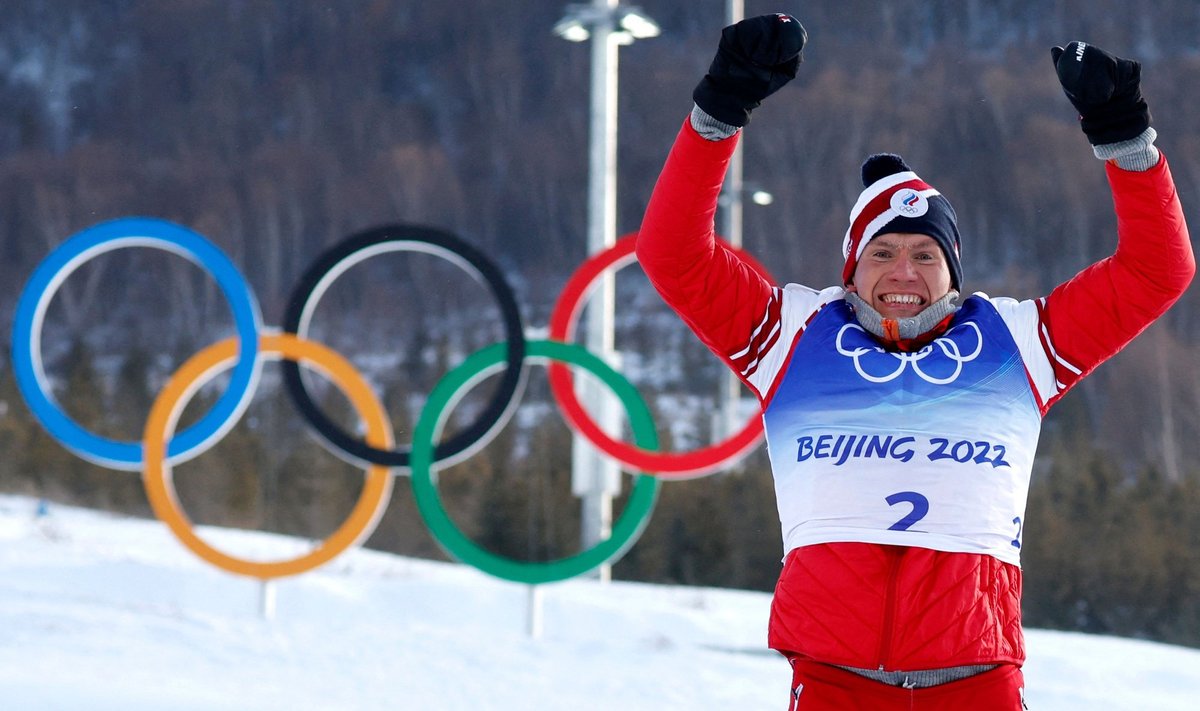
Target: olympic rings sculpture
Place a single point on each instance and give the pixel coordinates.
(161, 447)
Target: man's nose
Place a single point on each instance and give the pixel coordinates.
(903, 269)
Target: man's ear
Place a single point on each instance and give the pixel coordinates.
(851, 288)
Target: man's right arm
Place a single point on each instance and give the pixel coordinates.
(730, 307)
(733, 309)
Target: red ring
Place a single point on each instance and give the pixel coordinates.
(672, 465)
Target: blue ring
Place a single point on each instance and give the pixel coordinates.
(100, 239)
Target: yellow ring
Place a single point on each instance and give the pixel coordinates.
(202, 367)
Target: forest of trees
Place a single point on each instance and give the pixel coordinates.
(277, 127)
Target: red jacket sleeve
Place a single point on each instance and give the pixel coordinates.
(722, 299)
(1093, 315)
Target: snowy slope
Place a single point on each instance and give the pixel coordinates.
(99, 612)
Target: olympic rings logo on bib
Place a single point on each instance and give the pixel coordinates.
(162, 447)
(877, 365)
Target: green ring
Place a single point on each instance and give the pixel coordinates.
(626, 529)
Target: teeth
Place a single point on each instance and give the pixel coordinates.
(902, 298)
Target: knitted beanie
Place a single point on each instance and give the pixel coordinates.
(896, 200)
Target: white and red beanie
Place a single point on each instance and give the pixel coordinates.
(896, 200)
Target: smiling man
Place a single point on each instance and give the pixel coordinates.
(902, 424)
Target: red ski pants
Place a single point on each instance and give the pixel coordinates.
(820, 687)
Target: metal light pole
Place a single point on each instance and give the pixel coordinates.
(595, 479)
(730, 226)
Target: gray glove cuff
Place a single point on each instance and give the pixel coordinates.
(1138, 153)
(709, 128)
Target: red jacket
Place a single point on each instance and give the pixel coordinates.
(889, 607)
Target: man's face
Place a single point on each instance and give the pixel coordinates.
(900, 273)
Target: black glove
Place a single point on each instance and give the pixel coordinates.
(755, 58)
(1106, 90)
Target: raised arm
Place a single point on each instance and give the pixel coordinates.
(1096, 313)
(726, 303)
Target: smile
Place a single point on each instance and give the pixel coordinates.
(909, 299)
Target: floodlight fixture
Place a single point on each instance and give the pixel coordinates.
(638, 25)
(626, 23)
(762, 197)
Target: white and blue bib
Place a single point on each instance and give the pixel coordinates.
(932, 448)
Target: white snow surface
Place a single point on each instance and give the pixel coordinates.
(102, 612)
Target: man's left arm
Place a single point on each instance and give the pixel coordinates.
(1090, 317)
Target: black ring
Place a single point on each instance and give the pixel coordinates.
(399, 238)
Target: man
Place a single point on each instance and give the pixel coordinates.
(901, 424)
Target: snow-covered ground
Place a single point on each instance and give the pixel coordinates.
(100, 612)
